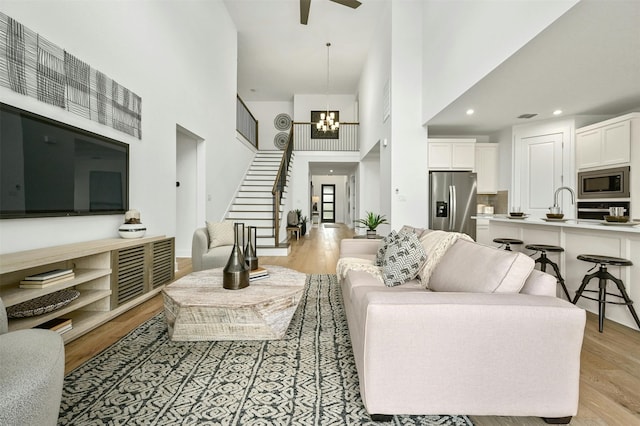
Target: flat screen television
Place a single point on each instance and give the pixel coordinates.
(48, 168)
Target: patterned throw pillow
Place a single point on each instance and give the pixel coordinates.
(393, 235)
(220, 234)
(402, 260)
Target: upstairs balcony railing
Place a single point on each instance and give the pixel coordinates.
(246, 123)
(347, 138)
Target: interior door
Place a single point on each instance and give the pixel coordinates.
(328, 203)
(540, 172)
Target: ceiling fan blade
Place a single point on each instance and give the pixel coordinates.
(350, 3)
(305, 5)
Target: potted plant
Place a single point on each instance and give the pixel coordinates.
(303, 225)
(371, 222)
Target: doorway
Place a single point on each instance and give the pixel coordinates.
(189, 189)
(328, 203)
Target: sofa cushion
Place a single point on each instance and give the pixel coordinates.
(476, 268)
(220, 234)
(386, 241)
(402, 260)
(435, 244)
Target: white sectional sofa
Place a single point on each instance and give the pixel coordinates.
(487, 337)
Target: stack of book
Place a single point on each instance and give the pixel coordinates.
(60, 325)
(258, 274)
(48, 278)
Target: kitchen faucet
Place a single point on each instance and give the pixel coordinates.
(555, 195)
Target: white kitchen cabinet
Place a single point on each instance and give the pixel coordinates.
(482, 231)
(487, 167)
(451, 154)
(604, 144)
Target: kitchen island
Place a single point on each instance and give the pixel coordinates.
(581, 237)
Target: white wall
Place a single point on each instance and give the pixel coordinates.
(408, 143)
(374, 185)
(180, 57)
(265, 113)
(463, 41)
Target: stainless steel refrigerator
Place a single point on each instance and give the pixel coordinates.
(453, 202)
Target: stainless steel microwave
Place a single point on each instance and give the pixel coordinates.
(605, 183)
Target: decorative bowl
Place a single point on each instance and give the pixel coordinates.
(620, 219)
(516, 214)
(555, 215)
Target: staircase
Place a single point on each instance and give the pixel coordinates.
(253, 204)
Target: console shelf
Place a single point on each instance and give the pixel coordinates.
(105, 292)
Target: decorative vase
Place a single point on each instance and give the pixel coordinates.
(132, 230)
(303, 228)
(235, 274)
(250, 254)
(371, 234)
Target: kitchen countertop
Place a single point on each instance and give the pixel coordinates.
(569, 223)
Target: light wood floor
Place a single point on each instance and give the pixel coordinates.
(610, 369)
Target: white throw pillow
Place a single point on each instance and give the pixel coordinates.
(220, 234)
(402, 260)
(476, 268)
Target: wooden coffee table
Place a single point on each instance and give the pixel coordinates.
(198, 308)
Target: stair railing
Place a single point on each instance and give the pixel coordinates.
(280, 184)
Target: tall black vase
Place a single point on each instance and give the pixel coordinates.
(250, 254)
(235, 274)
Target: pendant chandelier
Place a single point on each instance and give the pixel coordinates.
(327, 120)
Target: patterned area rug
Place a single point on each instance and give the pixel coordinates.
(308, 378)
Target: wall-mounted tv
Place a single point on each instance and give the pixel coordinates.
(48, 168)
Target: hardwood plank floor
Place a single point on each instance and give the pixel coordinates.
(610, 362)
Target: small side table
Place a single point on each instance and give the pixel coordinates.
(294, 230)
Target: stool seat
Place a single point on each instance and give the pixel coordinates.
(544, 247)
(507, 241)
(605, 260)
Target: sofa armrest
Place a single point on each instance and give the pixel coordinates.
(352, 247)
(199, 247)
(500, 342)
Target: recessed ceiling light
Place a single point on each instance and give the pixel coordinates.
(331, 171)
(557, 112)
(470, 111)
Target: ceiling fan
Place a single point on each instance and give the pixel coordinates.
(305, 5)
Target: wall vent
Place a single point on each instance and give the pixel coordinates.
(527, 115)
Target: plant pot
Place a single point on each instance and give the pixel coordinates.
(303, 228)
(371, 234)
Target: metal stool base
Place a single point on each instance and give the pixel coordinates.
(603, 275)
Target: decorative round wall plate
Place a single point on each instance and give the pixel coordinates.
(43, 304)
(282, 121)
(280, 140)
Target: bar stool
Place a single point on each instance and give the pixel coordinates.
(507, 242)
(543, 260)
(603, 275)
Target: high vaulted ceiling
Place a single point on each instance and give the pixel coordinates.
(587, 62)
(278, 57)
